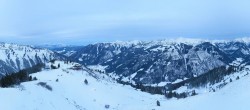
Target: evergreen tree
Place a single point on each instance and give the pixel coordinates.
(193, 93)
(86, 81)
(169, 94)
(237, 78)
(158, 103)
(30, 78)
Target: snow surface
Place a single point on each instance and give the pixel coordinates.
(70, 93)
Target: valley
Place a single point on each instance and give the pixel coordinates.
(68, 91)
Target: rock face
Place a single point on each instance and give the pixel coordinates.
(15, 57)
(160, 61)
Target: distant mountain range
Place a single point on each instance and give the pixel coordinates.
(174, 68)
(160, 61)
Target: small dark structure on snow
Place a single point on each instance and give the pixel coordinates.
(76, 67)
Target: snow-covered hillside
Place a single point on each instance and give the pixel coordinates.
(66, 89)
(15, 57)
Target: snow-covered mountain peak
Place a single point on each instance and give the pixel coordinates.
(243, 39)
(165, 42)
(14, 57)
(127, 43)
(191, 41)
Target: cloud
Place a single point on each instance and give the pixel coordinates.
(81, 21)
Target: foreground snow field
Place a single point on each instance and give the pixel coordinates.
(71, 93)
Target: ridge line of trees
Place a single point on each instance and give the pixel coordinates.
(211, 77)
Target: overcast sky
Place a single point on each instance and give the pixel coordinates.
(79, 22)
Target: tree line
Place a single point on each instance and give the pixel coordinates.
(211, 77)
(11, 79)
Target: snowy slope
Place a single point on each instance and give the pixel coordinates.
(234, 96)
(70, 93)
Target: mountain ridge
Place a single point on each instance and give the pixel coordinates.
(161, 60)
(14, 57)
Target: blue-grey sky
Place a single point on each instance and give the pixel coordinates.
(78, 22)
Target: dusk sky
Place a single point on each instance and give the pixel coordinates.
(79, 22)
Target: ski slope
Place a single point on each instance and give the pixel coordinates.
(71, 93)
